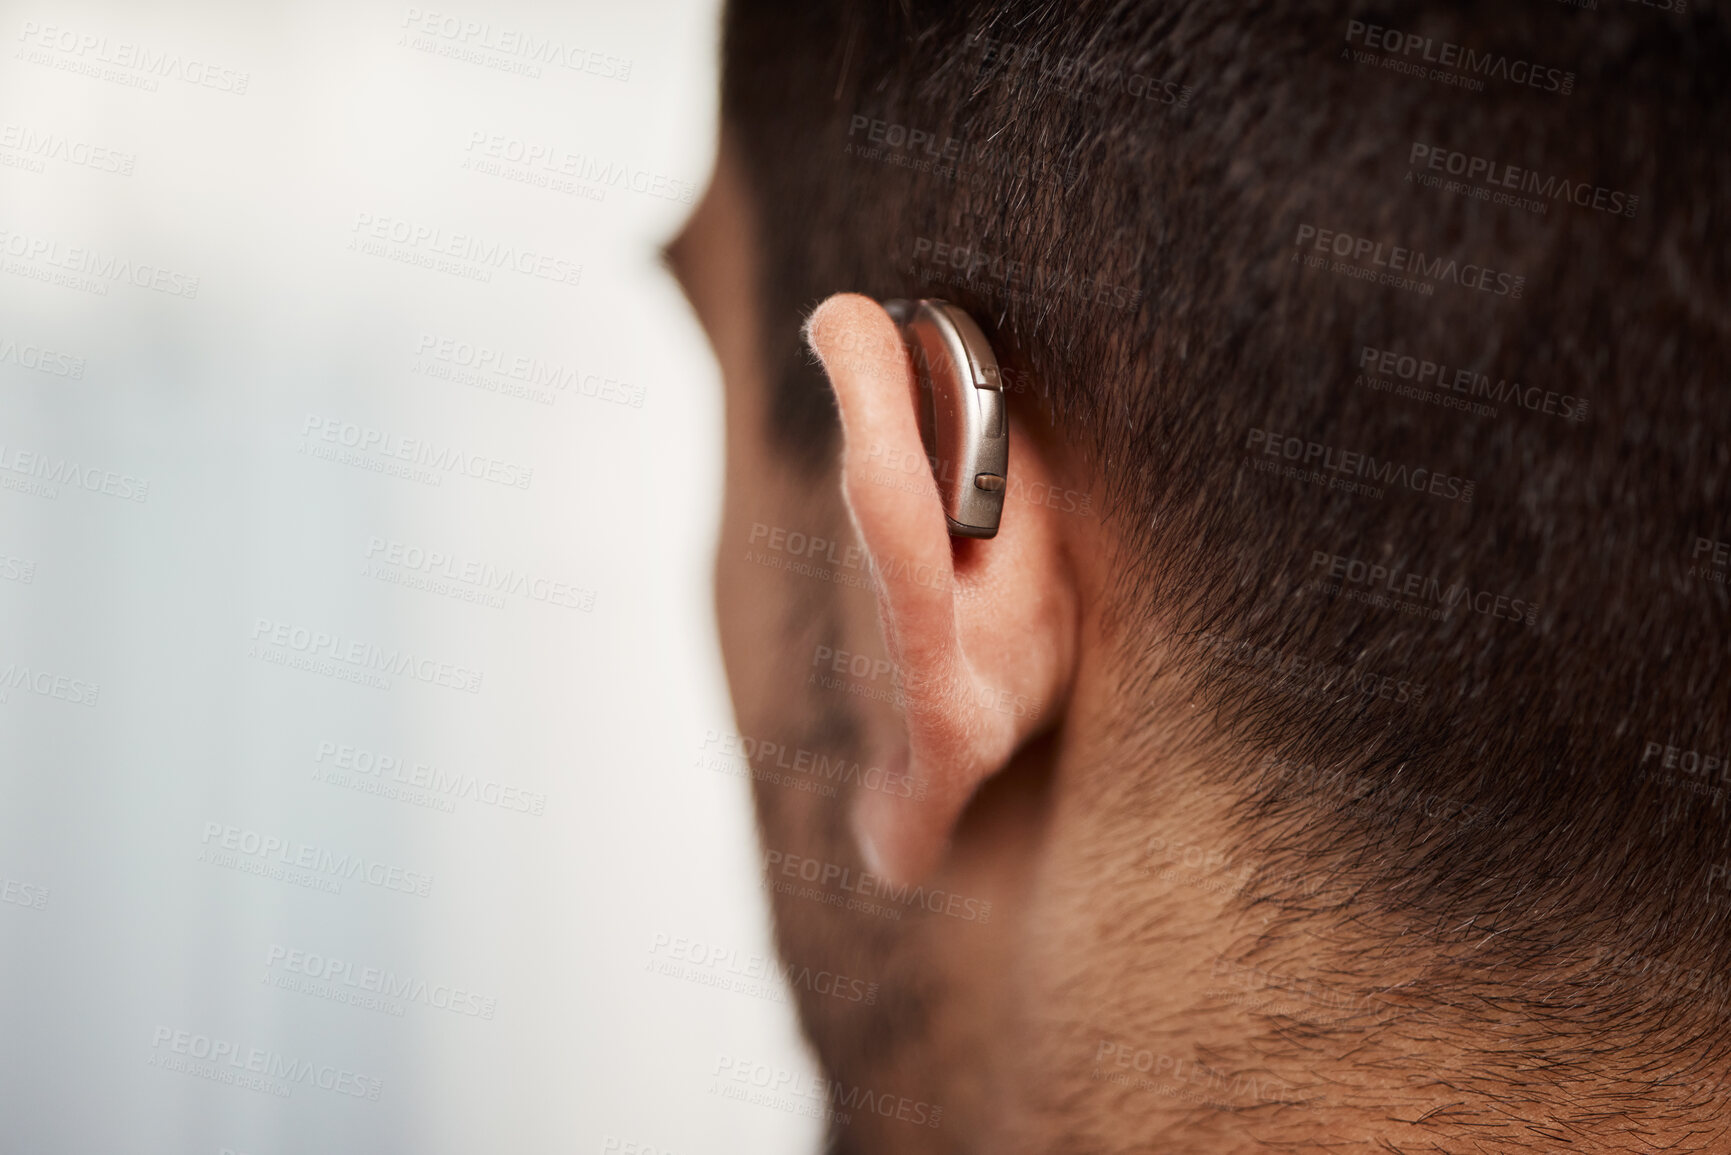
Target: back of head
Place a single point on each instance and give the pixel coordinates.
(1394, 341)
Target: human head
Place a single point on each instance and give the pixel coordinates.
(1326, 733)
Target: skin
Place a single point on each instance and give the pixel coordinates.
(964, 1003)
(1075, 977)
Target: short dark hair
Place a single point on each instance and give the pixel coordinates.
(1394, 339)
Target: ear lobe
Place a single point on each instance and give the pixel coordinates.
(982, 633)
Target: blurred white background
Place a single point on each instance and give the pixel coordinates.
(359, 471)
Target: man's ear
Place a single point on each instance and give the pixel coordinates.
(983, 633)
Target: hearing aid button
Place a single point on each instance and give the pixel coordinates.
(990, 482)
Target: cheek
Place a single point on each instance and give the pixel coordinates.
(747, 610)
(793, 597)
(749, 582)
(769, 593)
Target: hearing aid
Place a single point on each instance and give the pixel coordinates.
(963, 422)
